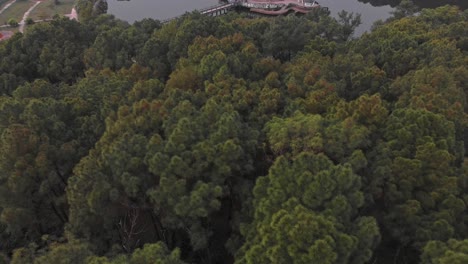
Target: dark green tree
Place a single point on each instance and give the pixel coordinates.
(306, 211)
(452, 251)
(416, 179)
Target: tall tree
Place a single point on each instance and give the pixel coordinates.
(418, 179)
(306, 211)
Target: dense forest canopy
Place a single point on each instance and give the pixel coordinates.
(235, 140)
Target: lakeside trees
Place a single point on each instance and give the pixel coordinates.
(235, 140)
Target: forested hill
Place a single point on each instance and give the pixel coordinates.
(235, 140)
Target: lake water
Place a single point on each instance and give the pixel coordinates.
(163, 9)
(158, 9)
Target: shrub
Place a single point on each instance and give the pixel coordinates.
(12, 22)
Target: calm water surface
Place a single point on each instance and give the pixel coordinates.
(369, 13)
(158, 9)
(163, 9)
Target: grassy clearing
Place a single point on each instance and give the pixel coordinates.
(12, 29)
(47, 9)
(16, 11)
(3, 2)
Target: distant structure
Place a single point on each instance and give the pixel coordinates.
(277, 7)
(265, 7)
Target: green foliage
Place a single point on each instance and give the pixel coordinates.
(50, 51)
(404, 9)
(301, 209)
(420, 178)
(12, 22)
(171, 159)
(87, 9)
(156, 253)
(71, 252)
(150, 254)
(235, 140)
(453, 251)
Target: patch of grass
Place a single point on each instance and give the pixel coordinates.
(3, 2)
(12, 29)
(48, 8)
(16, 11)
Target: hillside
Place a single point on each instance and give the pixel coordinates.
(235, 140)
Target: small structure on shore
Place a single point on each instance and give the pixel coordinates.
(264, 7)
(277, 7)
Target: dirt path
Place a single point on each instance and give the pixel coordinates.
(26, 15)
(7, 6)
